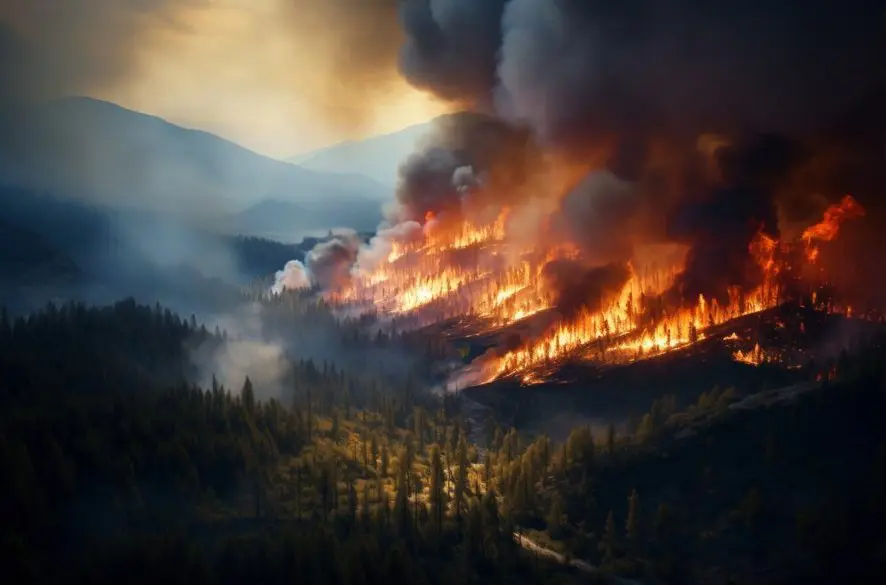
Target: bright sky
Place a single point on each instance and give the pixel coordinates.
(264, 74)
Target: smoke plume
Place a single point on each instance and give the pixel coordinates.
(330, 262)
(720, 225)
(382, 244)
(577, 71)
(469, 161)
(451, 47)
(574, 287)
(294, 276)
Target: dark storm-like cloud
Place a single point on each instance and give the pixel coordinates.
(467, 160)
(576, 70)
(451, 47)
(721, 223)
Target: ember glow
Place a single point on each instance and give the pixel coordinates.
(755, 356)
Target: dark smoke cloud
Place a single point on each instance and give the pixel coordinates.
(329, 263)
(436, 178)
(451, 47)
(582, 70)
(597, 215)
(574, 287)
(720, 224)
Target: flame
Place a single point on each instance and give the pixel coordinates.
(473, 269)
(756, 356)
(828, 228)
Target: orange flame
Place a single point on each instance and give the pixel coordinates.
(828, 228)
(474, 269)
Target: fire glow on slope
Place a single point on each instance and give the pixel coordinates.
(474, 271)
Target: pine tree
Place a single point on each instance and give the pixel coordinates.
(632, 525)
(555, 517)
(610, 439)
(247, 395)
(364, 507)
(607, 543)
(334, 432)
(385, 461)
(373, 450)
(461, 481)
(401, 506)
(419, 416)
(437, 487)
(352, 503)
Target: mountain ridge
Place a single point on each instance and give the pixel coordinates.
(97, 150)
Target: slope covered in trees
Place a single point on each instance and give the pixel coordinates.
(121, 469)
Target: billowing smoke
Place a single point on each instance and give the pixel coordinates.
(574, 287)
(381, 245)
(330, 262)
(596, 215)
(469, 161)
(720, 225)
(248, 350)
(578, 70)
(294, 276)
(451, 47)
(327, 265)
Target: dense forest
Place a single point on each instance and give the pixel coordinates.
(117, 467)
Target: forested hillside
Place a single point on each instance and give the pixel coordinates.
(117, 468)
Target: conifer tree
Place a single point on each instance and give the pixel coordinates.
(607, 543)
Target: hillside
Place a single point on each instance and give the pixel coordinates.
(61, 249)
(126, 471)
(102, 152)
(378, 157)
(27, 257)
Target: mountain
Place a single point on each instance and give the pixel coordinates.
(288, 221)
(104, 153)
(378, 157)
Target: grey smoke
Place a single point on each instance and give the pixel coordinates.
(294, 276)
(595, 215)
(330, 262)
(465, 154)
(247, 351)
(380, 246)
(579, 70)
(451, 47)
(464, 180)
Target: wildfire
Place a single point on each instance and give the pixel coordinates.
(755, 357)
(473, 269)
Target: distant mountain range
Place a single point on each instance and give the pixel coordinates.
(97, 151)
(378, 157)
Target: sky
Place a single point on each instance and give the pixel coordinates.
(280, 77)
(287, 76)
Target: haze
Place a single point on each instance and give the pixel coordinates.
(277, 76)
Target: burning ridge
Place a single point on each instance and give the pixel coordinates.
(621, 289)
(567, 191)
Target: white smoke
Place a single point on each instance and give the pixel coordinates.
(294, 276)
(247, 351)
(379, 249)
